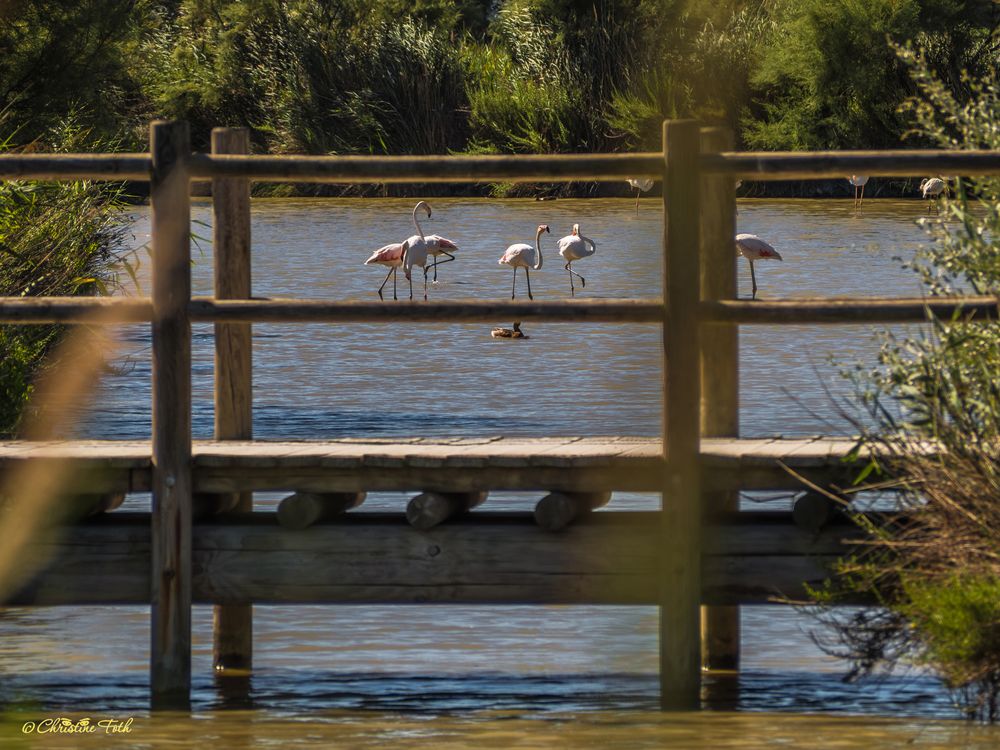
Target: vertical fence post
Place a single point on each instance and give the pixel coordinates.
(233, 623)
(680, 566)
(720, 626)
(170, 651)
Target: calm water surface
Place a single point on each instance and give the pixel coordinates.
(510, 676)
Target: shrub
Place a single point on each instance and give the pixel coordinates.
(56, 239)
(934, 402)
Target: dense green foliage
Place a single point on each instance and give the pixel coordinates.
(55, 240)
(432, 76)
(936, 567)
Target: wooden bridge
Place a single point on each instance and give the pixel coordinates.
(201, 543)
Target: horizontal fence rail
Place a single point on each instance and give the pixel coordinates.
(76, 310)
(510, 168)
(853, 310)
(790, 165)
(115, 310)
(472, 311)
(75, 166)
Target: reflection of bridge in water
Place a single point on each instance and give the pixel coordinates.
(200, 542)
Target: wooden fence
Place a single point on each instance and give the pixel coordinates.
(699, 315)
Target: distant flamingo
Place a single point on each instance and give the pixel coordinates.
(573, 247)
(752, 247)
(932, 187)
(523, 255)
(392, 257)
(416, 248)
(640, 185)
(859, 181)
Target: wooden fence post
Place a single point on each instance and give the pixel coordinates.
(170, 649)
(720, 626)
(680, 556)
(233, 623)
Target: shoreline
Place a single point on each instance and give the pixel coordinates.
(894, 188)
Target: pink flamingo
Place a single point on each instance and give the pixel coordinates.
(390, 256)
(573, 247)
(523, 255)
(752, 247)
(440, 246)
(416, 248)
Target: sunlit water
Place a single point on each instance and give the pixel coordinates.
(510, 675)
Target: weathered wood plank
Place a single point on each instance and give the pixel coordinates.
(468, 311)
(231, 242)
(846, 310)
(89, 310)
(170, 653)
(356, 169)
(720, 394)
(680, 562)
(75, 166)
(791, 165)
(761, 166)
(554, 464)
(604, 558)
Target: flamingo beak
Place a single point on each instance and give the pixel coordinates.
(777, 255)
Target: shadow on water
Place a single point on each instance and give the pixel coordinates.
(295, 692)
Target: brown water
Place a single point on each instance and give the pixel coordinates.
(499, 676)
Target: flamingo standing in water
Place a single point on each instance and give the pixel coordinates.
(573, 247)
(417, 247)
(390, 256)
(932, 187)
(859, 181)
(523, 255)
(640, 185)
(440, 246)
(752, 247)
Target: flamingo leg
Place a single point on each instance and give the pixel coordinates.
(394, 277)
(753, 279)
(425, 284)
(386, 281)
(572, 290)
(527, 275)
(637, 191)
(436, 262)
(862, 198)
(513, 283)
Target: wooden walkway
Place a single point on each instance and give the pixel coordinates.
(696, 550)
(572, 464)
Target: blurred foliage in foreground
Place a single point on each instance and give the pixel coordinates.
(934, 400)
(432, 76)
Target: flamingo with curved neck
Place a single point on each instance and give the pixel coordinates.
(416, 248)
(523, 255)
